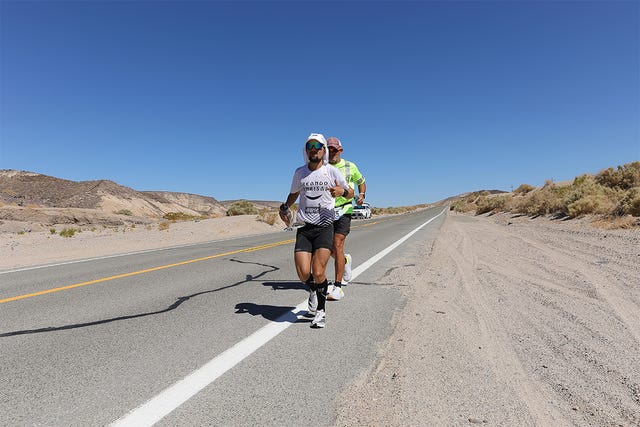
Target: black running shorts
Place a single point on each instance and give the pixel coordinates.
(312, 237)
(342, 225)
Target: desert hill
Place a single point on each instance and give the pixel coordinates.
(29, 196)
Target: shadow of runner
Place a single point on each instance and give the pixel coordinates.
(282, 286)
(176, 304)
(269, 312)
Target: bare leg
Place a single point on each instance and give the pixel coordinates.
(303, 265)
(319, 262)
(338, 253)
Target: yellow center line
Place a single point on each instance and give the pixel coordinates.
(148, 270)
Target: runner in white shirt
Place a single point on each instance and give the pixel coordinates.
(318, 184)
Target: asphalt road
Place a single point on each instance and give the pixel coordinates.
(206, 334)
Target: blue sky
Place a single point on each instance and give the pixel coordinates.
(430, 99)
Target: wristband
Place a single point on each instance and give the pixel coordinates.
(284, 207)
(345, 193)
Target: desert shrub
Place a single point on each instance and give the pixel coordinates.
(590, 204)
(242, 207)
(587, 196)
(52, 230)
(268, 216)
(68, 232)
(164, 225)
(545, 201)
(126, 212)
(624, 177)
(628, 203)
(524, 189)
(634, 206)
(179, 216)
(494, 204)
(463, 206)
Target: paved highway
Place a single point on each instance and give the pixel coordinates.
(205, 334)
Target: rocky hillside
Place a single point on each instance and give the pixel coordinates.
(21, 191)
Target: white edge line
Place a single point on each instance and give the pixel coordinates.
(172, 397)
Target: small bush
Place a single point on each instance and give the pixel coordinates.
(544, 201)
(591, 204)
(524, 189)
(492, 204)
(242, 207)
(624, 177)
(68, 232)
(267, 216)
(52, 230)
(164, 225)
(126, 212)
(628, 204)
(179, 216)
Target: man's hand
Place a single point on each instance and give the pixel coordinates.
(360, 200)
(336, 191)
(285, 213)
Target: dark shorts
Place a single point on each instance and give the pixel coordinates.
(312, 237)
(342, 225)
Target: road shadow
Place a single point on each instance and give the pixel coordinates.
(270, 312)
(177, 303)
(284, 286)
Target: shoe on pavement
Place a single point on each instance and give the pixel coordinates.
(335, 294)
(347, 268)
(319, 320)
(313, 303)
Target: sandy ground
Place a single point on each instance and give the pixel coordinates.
(511, 322)
(508, 321)
(43, 247)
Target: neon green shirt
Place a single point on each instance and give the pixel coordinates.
(353, 177)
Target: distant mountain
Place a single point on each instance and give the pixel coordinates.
(33, 190)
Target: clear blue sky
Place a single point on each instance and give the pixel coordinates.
(430, 99)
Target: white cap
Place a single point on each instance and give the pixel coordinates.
(320, 138)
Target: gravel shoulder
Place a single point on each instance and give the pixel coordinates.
(510, 321)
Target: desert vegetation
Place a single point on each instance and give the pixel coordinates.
(242, 207)
(181, 216)
(613, 194)
(396, 209)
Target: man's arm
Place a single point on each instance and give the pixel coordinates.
(291, 198)
(342, 187)
(362, 188)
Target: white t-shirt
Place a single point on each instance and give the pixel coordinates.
(316, 204)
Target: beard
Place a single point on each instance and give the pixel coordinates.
(314, 158)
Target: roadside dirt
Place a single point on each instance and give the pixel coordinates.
(511, 321)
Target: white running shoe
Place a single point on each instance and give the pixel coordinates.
(335, 294)
(319, 320)
(346, 277)
(313, 302)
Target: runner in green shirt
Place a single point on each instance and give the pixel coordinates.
(344, 210)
